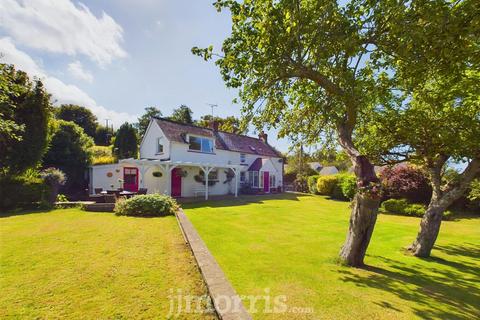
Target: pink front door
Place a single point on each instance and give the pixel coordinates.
(266, 181)
(130, 179)
(176, 182)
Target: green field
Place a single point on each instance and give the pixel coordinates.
(79, 265)
(288, 245)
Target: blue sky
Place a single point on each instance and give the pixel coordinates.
(118, 56)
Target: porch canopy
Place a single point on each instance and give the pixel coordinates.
(167, 167)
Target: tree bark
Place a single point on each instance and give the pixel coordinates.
(440, 201)
(365, 205)
(429, 229)
(362, 223)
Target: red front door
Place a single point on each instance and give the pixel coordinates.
(176, 182)
(130, 179)
(266, 181)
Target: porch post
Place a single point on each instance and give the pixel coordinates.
(142, 171)
(236, 172)
(206, 171)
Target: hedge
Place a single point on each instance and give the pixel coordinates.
(326, 184)
(23, 193)
(149, 205)
(402, 207)
(312, 184)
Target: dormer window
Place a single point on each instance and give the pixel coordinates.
(200, 144)
(159, 145)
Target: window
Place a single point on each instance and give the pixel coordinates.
(272, 181)
(213, 175)
(159, 145)
(253, 178)
(261, 179)
(242, 176)
(242, 157)
(200, 144)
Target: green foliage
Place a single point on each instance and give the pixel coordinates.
(126, 142)
(144, 120)
(150, 205)
(327, 184)
(70, 151)
(182, 114)
(103, 136)
(348, 185)
(474, 194)
(79, 115)
(402, 207)
(301, 183)
(62, 198)
(312, 184)
(25, 121)
(416, 210)
(53, 177)
(23, 192)
(228, 124)
(397, 206)
(102, 155)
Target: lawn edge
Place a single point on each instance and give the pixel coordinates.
(226, 301)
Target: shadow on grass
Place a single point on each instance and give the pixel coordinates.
(241, 200)
(442, 289)
(22, 212)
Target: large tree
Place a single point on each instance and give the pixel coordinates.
(182, 114)
(70, 151)
(440, 124)
(144, 120)
(25, 121)
(228, 124)
(437, 74)
(79, 115)
(126, 142)
(319, 69)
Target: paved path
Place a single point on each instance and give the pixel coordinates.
(227, 303)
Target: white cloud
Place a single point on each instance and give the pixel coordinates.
(61, 92)
(60, 26)
(76, 70)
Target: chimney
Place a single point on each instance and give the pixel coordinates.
(263, 136)
(214, 125)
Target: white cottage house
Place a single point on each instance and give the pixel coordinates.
(185, 161)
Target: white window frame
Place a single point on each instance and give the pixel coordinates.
(158, 145)
(203, 141)
(243, 157)
(253, 179)
(242, 176)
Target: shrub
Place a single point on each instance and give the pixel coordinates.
(406, 182)
(448, 215)
(149, 205)
(62, 198)
(415, 210)
(326, 184)
(397, 206)
(102, 155)
(300, 184)
(312, 184)
(23, 193)
(53, 178)
(348, 184)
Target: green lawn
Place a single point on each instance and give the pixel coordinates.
(73, 264)
(288, 244)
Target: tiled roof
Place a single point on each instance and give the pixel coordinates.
(177, 132)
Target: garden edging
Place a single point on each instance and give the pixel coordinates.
(226, 302)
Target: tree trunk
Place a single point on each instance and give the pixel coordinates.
(365, 204)
(362, 222)
(440, 201)
(429, 229)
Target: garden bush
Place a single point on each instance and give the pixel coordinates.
(312, 184)
(301, 183)
(415, 210)
(397, 206)
(23, 193)
(326, 184)
(348, 184)
(149, 205)
(406, 182)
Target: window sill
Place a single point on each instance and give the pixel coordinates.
(196, 151)
(159, 153)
